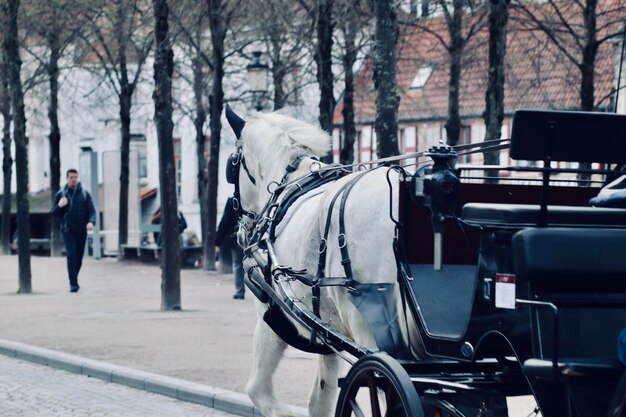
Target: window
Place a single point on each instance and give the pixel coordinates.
(138, 144)
(366, 145)
(465, 139)
(434, 135)
(423, 74)
(143, 165)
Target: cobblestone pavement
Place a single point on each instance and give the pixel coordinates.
(30, 390)
(115, 318)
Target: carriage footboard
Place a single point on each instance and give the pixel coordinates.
(445, 297)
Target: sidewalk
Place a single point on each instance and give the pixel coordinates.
(114, 325)
(113, 329)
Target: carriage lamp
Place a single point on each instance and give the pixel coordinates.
(257, 77)
(442, 190)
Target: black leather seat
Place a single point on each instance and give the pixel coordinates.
(523, 215)
(583, 272)
(571, 258)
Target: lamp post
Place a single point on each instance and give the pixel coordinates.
(257, 77)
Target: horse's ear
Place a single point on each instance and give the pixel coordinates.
(236, 123)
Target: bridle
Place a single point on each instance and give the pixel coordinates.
(233, 167)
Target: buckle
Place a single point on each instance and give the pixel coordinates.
(322, 247)
(342, 240)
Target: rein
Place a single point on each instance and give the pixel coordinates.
(257, 225)
(466, 149)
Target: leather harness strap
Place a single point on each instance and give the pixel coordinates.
(299, 189)
(344, 191)
(276, 211)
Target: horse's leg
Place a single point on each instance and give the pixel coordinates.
(267, 351)
(323, 397)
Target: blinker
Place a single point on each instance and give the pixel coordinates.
(232, 168)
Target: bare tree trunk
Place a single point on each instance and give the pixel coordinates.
(387, 97)
(590, 51)
(346, 155)
(323, 58)
(413, 8)
(494, 97)
(587, 66)
(14, 64)
(425, 8)
(54, 138)
(200, 119)
(7, 160)
(455, 25)
(278, 74)
(216, 104)
(125, 99)
(163, 70)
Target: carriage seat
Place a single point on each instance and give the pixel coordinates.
(524, 215)
(578, 267)
(571, 259)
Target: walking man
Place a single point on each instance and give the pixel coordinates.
(74, 205)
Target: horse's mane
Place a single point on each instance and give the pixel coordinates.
(272, 137)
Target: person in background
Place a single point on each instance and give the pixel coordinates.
(156, 219)
(226, 239)
(75, 206)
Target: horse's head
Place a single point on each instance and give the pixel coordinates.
(267, 144)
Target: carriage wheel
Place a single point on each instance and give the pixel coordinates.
(378, 386)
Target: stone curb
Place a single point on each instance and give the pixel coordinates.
(217, 398)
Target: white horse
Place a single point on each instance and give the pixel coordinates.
(268, 144)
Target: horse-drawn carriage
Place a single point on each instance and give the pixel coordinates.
(446, 297)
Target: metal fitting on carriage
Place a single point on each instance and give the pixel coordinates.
(442, 152)
(487, 285)
(467, 349)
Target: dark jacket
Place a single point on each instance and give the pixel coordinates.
(78, 212)
(227, 229)
(614, 200)
(156, 219)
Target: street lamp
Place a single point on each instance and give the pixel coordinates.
(257, 77)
